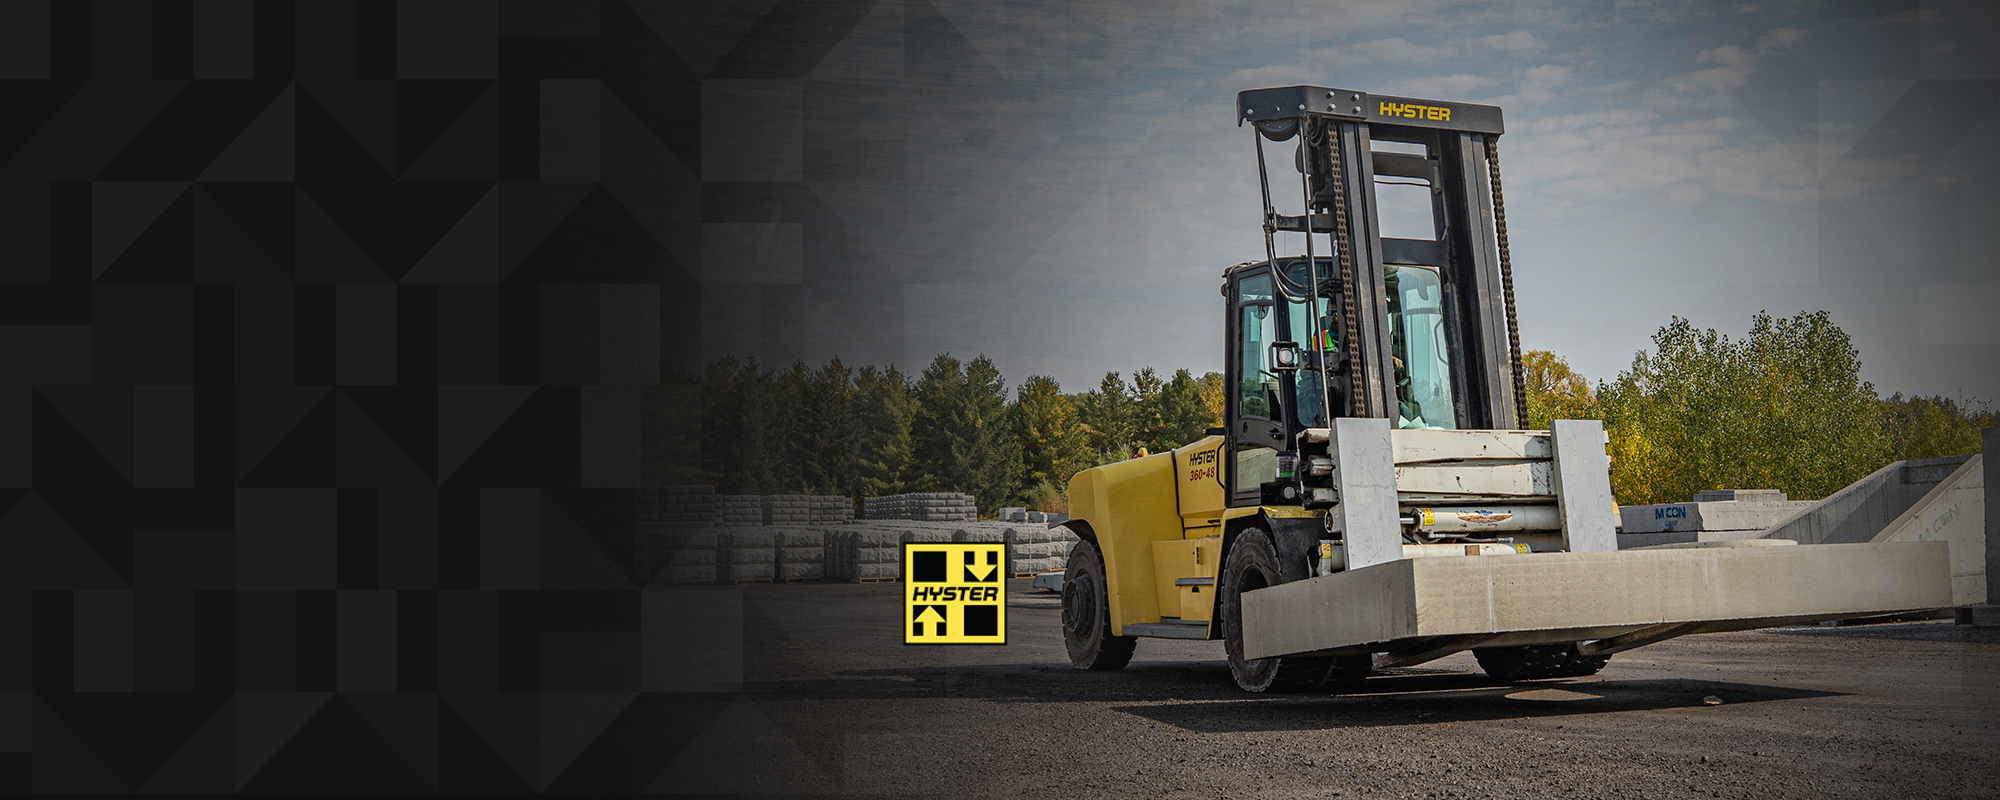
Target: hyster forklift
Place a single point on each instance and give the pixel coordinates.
(1371, 502)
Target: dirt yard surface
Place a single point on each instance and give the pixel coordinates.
(831, 701)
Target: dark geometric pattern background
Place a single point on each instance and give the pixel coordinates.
(324, 335)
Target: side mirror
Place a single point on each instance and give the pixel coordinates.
(1285, 357)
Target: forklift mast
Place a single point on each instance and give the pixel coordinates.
(1418, 329)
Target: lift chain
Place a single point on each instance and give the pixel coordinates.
(1350, 336)
(1507, 283)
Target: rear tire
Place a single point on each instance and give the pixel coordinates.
(1086, 615)
(1252, 565)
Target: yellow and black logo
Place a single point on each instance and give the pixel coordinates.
(955, 593)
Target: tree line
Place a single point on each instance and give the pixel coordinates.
(957, 426)
(1782, 408)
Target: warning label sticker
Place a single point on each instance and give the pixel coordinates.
(956, 593)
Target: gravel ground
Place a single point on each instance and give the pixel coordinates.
(832, 701)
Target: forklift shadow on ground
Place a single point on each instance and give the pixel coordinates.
(1424, 699)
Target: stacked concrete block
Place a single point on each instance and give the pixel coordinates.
(922, 506)
(1011, 514)
(687, 556)
(787, 509)
(1061, 541)
(864, 555)
(1027, 549)
(749, 555)
(736, 510)
(831, 508)
(801, 553)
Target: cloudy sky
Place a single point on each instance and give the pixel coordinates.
(1070, 182)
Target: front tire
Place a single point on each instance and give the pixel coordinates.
(1086, 614)
(1253, 565)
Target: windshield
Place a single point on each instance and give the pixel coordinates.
(1421, 356)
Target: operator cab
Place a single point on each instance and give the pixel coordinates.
(1276, 355)
(1394, 193)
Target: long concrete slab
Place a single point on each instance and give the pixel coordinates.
(1546, 598)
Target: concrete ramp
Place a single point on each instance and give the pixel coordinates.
(1953, 511)
(1866, 508)
(1932, 499)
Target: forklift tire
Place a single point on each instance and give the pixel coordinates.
(1086, 615)
(1252, 565)
(1524, 662)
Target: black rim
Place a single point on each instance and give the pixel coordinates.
(1080, 605)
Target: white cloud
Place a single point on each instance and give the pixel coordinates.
(1518, 40)
(1735, 65)
(1444, 87)
(1395, 49)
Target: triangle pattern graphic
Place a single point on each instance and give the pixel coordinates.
(507, 723)
(367, 456)
(39, 550)
(325, 251)
(264, 212)
(469, 252)
(103, 721)
(408, 722)
(326, 152)
(336, 751)
(468, 764)
(102, 415)
(872, 51)
(205, 763)
(426, 110)
(265, 415)
(223, 253)
(407, 414)
(724, 759)
(265, 721)
(667, 721)
(366, 110)
(571, 721)
(529, 212)
(164, 253)
(469, 150)
(699, 35)
(600, 241)
(266, 149)
(467, 415)
(62, 764)
(122, 210)
(305, 457)
(571, 559)
(670, 194)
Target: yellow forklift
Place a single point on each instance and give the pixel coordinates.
(1371, 501)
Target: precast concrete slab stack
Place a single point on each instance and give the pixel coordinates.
(739, 510)
(831, 508)
(1061, 541)
(787, 509)
(922, 506)
(864, 555)
(1714, 515)
(1028, 549)
(750, 555)
(801, 553)
(687, 557)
